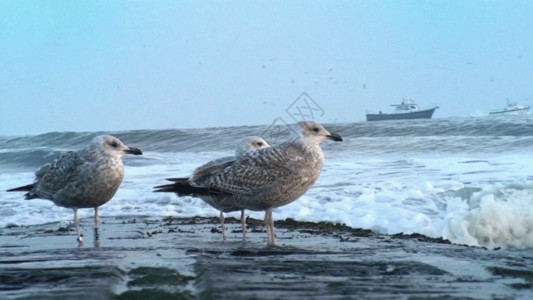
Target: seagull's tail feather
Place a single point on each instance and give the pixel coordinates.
(181, 179)
(26, 188)
(182, 187)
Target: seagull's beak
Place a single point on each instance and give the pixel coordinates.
(134, 151)
(335, 137)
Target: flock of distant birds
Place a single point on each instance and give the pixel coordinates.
(260, 177)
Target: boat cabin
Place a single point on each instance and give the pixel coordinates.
(406, 105)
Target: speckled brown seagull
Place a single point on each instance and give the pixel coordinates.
(86, 178)
(194, 185)
(271, 177)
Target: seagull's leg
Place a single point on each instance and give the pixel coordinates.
(77, 223)
(272, 230)
(243, 224)
(96, 225)
(267, 226)
(223, 227)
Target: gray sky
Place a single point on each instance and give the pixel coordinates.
(119, 65)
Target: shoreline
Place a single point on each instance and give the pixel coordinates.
(185, 258)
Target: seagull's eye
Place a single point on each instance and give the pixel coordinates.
(114, 144)
(316, 129)
(260, 144)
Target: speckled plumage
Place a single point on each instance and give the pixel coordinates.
(205, 171)
(267, 178)
(78, 179)
(275, 176)
(270, 177)
(196, 184)
(86, 178)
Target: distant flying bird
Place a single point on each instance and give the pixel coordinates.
(86, 178)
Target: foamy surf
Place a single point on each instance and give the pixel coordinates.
(469, 182)
(496, 216)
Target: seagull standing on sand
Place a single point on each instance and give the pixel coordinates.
(272, 177)
(86, 178)
(195, 185)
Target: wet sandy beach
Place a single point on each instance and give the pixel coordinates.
(185, 258)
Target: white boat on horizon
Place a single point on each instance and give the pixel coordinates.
(511, 109)
(407, 109)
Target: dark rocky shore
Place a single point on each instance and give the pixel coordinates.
(185, 258)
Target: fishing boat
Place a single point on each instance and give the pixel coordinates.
(407, 109)
(511, 109)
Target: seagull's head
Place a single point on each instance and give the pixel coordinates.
(113, 146)
(251, 143)
(312, 133)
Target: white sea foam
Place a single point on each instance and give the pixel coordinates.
(474, 200)
(496, 216)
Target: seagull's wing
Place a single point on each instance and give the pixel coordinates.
(257, 171)
(53, 177)
(205, 172)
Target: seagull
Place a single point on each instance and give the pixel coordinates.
(271, 177)
(195, 186)
(86, 178)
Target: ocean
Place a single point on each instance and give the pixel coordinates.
(468, 180)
